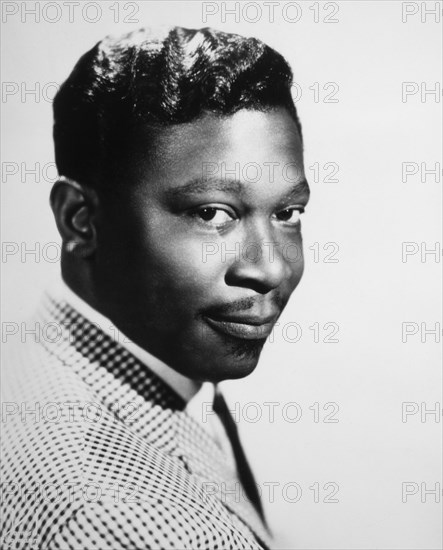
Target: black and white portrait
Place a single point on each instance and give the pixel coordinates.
(221, 275)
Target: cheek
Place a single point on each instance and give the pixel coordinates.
(180, 266)
(298, 269)
(294, 257)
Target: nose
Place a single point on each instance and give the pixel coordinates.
(261, 266)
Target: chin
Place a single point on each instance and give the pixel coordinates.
(237, 360)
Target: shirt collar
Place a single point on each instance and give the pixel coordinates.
(185, 387)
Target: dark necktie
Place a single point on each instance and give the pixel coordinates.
(244, 471)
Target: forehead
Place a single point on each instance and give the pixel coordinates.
(245, 133)
(246, 146)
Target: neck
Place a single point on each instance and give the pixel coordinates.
(80, 282)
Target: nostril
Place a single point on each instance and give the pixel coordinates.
(252, 283)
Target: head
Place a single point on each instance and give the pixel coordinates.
(181, 193)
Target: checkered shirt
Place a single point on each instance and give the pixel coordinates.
(99, 453)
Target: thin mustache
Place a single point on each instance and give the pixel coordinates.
(243, 304)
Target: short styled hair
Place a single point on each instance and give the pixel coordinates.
(142, 79)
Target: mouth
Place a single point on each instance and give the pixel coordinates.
(244, 328)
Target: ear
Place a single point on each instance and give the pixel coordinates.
(75, 210)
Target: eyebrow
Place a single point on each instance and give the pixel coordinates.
(199, 186)
(299, 189)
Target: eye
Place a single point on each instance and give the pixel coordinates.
(210, 215)
(290, 215)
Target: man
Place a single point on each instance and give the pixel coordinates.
(176, 265)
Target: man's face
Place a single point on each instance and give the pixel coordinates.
(200, 254)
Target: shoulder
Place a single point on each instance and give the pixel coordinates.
(94, 480)
(148, 524)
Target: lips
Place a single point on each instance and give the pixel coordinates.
(246, 328)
